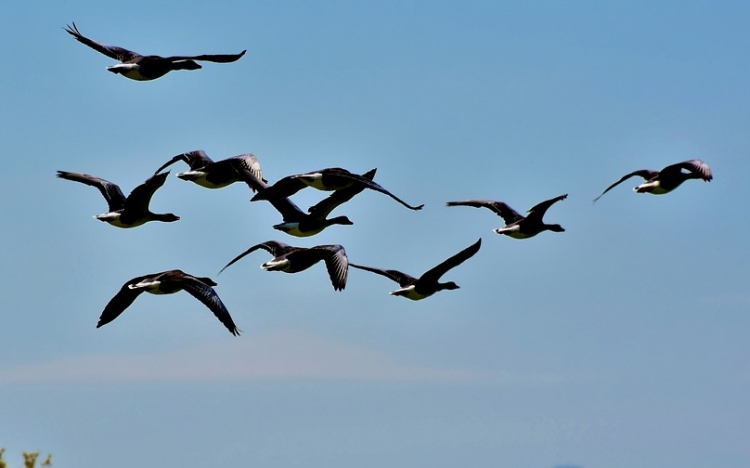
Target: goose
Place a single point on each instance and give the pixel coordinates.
(219, 174)
(124, 212)
(168, 282)
(291, 259)
(427, 284)
(334, 178)
(300, 224)
(147, 67)
(668, 179)
(517, 226)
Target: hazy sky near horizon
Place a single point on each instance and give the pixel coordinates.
(620, 342)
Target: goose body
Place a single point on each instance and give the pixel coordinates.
(147, 67)
(289, 259)
(217, 174)
(168, 282)
(516, 225)
(668, 179)
(300, 224)
(129, 212)
(429, 283)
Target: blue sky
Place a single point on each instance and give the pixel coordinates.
(621, 342)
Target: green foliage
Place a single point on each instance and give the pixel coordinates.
(29, 459)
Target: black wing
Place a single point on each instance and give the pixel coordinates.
(538, 210)
(645, 173)
(695, 166)
(140, 197)
(401, 278)
(501, 209)
(283, 188)
(110, 191)
(372, 185)
(218, 58)
(273, 247)
(206, 294)
(195, 159)
(337, 264)
(323, 208)
(434, 274)
(120, 301)
(117, 53)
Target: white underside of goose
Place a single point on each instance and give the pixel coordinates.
(114, 220)
(200, 178)
(314, 180)
(513, 231)
(129, 70)
(408, 292)
(150, 287)
(293, 230)
(654, 188)
(277, 265)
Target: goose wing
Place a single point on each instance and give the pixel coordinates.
(695, 166)
(284, 187)
(121, 301)
(434, 274)
(140, 197)
(647, 174)
(372, 185)
(247, 168)
(322, 209)
(337, 264)
(110, 191)
(401, 278)
(501, 209)
(539, 209)
(275, 248)
(195, 159)
(117, 53)
(207, 295)
(218, 58)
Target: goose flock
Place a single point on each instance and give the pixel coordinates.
(133, 210)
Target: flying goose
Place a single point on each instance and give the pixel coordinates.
(334, 178)
(517, 226)
(300, 224)
(427, 284)
(147, 67)
(668, 179)
(124, 212)
(168, 282)
(219, 174)
(291, 259)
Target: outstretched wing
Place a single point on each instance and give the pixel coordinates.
(206, 294)
(117, 53)
(401, 278)
(538, 210)
(140, 197)
(121, 301)
(434, 274)
(501, 209)
(645, 173)
(337, 264)
(218, 58)
(110, 191)
(285, 187)
(248, 168)
(372, 185)
(696, 166)
(273, 247)
(322, 209)
(195, 159)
